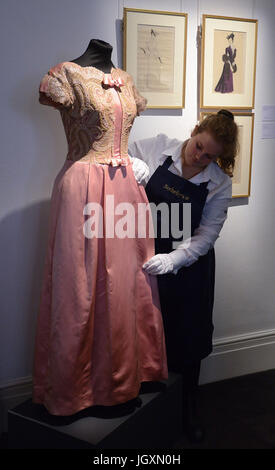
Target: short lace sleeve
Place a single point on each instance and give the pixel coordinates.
(140, 100)
(55, 89)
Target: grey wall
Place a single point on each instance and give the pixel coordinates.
(36, 35)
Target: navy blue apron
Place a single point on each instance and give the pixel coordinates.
(186, 298)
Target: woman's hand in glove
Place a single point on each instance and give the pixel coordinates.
(140, 170)
(166, 263)
(159, 264)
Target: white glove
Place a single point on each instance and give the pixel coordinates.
(159, 264)
(140, 170)
(166, 263)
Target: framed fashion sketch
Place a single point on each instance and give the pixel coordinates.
(228, 62)
(241, 179)
(155, 55)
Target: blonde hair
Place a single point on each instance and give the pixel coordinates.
(224, 130)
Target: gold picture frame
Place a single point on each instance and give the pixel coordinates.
(228, 62)
(241, 180)
(154, 53)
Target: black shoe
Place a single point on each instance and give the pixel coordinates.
(192, 427)
(194, 432)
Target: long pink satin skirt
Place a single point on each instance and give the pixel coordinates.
(99, 330)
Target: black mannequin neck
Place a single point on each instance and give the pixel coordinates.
(98, 55)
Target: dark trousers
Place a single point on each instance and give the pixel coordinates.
(190, 380)
(190, 373)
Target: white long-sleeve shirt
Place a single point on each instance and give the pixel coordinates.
(154, 152)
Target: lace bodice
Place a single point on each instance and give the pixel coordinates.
(97, 110)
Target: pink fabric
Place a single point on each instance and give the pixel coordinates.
(108, 80)
(118, 128)
(99, 331)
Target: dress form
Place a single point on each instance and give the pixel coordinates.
(98, 55)
(96, 343)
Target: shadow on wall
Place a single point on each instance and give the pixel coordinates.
(24, 235)
(239, 201)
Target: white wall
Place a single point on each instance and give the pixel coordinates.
(34, 36)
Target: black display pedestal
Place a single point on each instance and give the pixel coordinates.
(156, 424)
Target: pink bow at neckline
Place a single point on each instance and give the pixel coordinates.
(118, 160)
(108, 80)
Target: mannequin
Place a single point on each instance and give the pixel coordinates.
(99, 329)
(98, 55)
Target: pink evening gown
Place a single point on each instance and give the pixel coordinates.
(99, 329)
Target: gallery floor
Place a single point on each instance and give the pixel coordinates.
(238, 413)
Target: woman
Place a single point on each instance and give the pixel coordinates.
(198, 171)
(225, 83)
